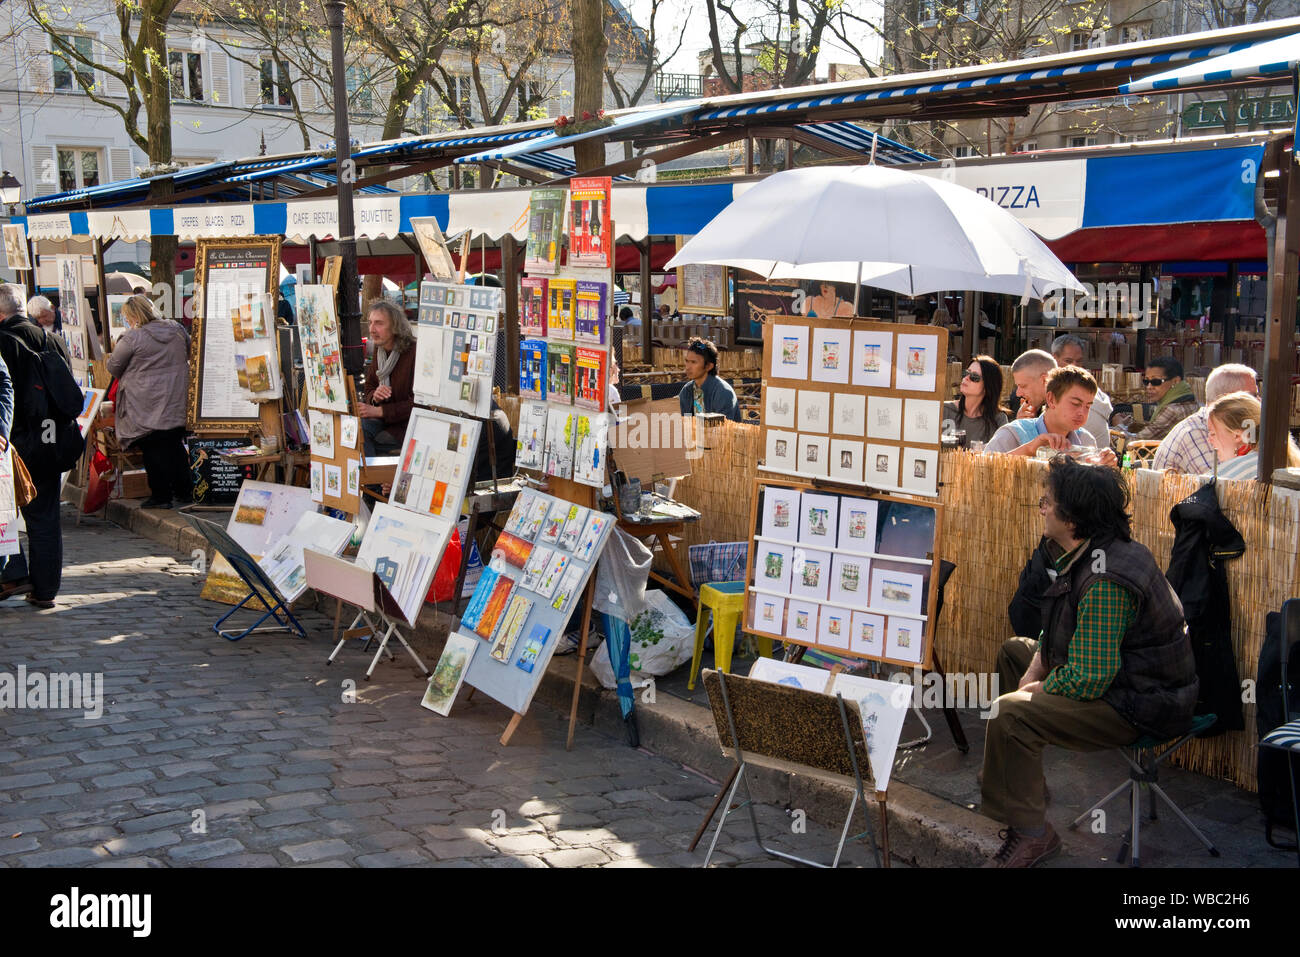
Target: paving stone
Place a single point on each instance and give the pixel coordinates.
(135, 843)
(317, 850)
(188, 853)
(577, 857)
(402, 857)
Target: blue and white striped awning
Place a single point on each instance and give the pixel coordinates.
(1042, 76)
(854, 137)
(551, 140)
(1272, 58)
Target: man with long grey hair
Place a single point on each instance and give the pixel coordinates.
(1187, 447)
(390, 378)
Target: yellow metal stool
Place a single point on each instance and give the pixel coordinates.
(727, 602)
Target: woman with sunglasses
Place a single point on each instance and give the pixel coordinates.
(976, 411)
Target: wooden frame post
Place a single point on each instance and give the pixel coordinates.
(647, 301)
(510, 277)
(1279, 332)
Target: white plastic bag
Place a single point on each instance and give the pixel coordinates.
(663, 639)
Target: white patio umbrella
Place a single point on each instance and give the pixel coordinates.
(881, 226)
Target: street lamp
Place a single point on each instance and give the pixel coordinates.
(345, 175)
(11, 190)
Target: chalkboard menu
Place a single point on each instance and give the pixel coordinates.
(216, 482)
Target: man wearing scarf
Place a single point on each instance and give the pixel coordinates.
(390, 379)
(1173, 397)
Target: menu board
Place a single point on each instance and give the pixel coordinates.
(216, 481)
(228, 273)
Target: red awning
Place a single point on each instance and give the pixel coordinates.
(1153, 244)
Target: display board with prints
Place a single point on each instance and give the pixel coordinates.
(564, 355)
(435, 464)
(227, 273)
(854, 402)
(263, 514)
(851, 574)
(257, 351)
(73, 308)
(539, 567)
(455, 352)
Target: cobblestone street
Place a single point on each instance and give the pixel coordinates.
(247, 754)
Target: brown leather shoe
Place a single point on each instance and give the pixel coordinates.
(1019, 850)
(20, 586)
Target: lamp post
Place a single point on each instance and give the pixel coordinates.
(345, 174)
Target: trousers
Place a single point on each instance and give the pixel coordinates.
(45, 537)
(166, 464)
(1024, 726)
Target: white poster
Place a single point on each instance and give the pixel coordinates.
(918, 363)
(873, 359)
(790, 352)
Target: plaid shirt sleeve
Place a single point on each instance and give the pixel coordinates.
(1105, 613)
(1164, 420)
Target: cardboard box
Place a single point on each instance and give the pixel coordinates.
(652, 441)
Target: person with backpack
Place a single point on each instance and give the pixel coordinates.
(47, 401)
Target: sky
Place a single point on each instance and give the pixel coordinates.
(673, 13)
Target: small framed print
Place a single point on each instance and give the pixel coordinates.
(894, 591)
(846, 460)
(920, 471)
(833, 625)
(921, 421)
(810, 573)
(814, 411)
(813, 453)
(857, 526)
(830, 355)
(780, 513)
(850, 577)
(903, 639)
(778, 410)
(769, 614)
(849, 414)
(873, 359)
(782, 451)
(790, 352)
(772, 567)
(881, 466)
(867, 636)
(801, 621)
(818, 520)
(918, 363)
(884, 417)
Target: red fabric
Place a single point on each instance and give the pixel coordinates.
(97, 488)
(444, 579)
(1183, 241)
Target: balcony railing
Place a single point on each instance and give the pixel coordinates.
(679, 86)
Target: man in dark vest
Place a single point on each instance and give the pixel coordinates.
(1112, 662)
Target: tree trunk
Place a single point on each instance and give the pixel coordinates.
(158, 118)
(589, 47)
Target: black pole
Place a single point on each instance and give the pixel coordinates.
(345, 172)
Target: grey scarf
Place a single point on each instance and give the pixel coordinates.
(385, 363)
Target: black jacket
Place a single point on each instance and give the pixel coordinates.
(1025, 610)
(1204, 539)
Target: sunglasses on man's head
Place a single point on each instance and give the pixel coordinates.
(973, 376)
(1154, 383)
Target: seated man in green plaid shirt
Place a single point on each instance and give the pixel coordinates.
(1113, 660)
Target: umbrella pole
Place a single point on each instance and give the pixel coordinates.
(857, 287)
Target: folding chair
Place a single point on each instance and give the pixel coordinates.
(1286, 737)
(259, 585)
(1144, 772)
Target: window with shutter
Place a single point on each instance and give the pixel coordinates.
(252, 81)
(71, 74)
(219, 92)
(119, 159)
(38, 68)
(44, 173)
(112, 86)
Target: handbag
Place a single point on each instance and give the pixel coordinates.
(718, 562)
(24, 487)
